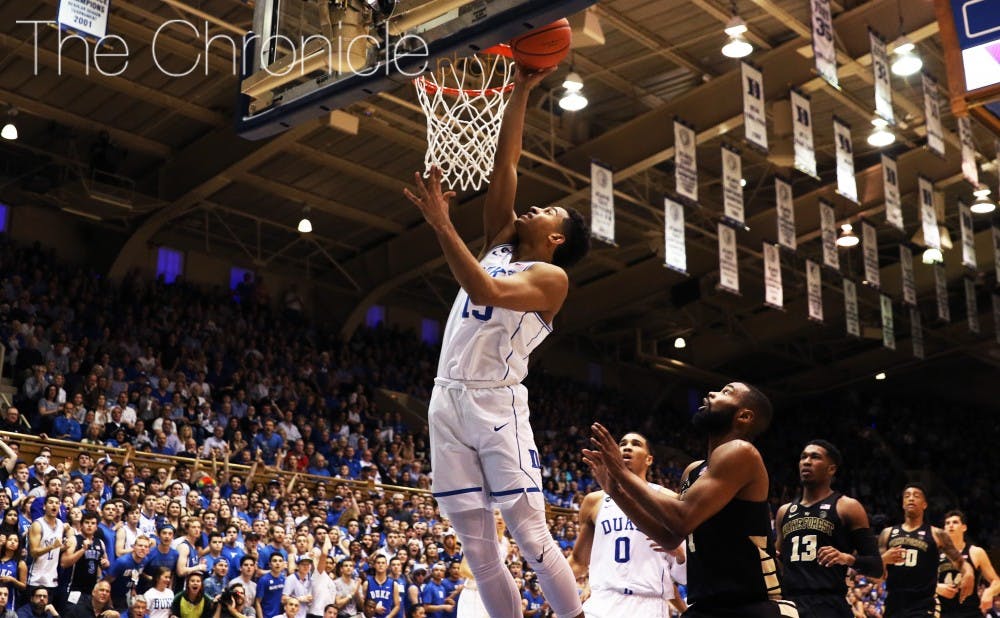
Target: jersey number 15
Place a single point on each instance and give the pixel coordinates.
(482, 316)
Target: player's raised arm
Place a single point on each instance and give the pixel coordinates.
(734, 465)
(498, 211)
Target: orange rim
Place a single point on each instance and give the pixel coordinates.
(501, 49)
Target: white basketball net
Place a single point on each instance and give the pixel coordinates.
(464, 101)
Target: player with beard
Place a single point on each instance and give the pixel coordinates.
(820, 535)
(628, 576)
(722, 511)
(949, 579)
(910, 552)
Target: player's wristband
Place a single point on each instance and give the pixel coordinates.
(868, 560)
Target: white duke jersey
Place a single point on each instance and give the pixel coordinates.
(490, 344)
(44, 570)
(622, 558)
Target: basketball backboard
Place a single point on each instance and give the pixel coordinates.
(306, 58)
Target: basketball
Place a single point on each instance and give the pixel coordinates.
(543, 47)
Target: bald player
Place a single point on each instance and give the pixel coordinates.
(722, 511)
(628, 577)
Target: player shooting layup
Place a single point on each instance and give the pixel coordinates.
(482, 447)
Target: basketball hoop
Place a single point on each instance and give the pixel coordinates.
(464, 100)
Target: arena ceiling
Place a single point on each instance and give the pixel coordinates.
(188, 181)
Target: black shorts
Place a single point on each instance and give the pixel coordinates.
(822, 606)
(923, 609)
(961, 612)
(762, 609)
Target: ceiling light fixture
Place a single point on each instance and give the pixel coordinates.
(9, 131)
(983, 204)
(881, 136)
(907, 62)
(737, 47)
(680, 343)
(847, 236)
(932, 256)
(880, 375)
(305, 225)
(573, 100)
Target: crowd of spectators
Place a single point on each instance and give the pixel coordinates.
(220, 377)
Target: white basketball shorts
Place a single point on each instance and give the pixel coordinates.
(610, 604)
(482, 447)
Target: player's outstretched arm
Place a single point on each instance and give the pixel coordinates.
(734, 466)
(543, 287)
(498, 210)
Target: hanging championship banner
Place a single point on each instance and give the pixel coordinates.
(754, 120)
(890, 186)
(824, 50)
(685, 161)
(828, 230)
(602, 203)
(773, 293)
(786, 213)
(869, 248)
(906, 270)
(969, 169)
(732, 190)
(971, 306)
(996, 315)
(851, 308)
(675, 255)
(814, 291)
(729, 273)
(883, 81)
(928, 216)
(932, 112)
(846, 183)
(888, 328)
(86, 17)
(802, 134)
(968, 239)
(941, 291)
(916, 333)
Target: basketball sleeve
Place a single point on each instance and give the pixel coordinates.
(868, 560)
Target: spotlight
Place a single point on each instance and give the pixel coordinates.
(743, 182)
(847, 236)
(737, 47)
(573, 100)
(906, 63)
(983, 204)
(880, 375)
(305, 225)
(881, 135)
(9, 131)
(680, 343)
(932, 256)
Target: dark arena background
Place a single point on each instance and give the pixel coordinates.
(218, 306)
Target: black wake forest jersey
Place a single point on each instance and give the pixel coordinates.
(731, 554)
(804, 530)
(948, 574)
(913, 581)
